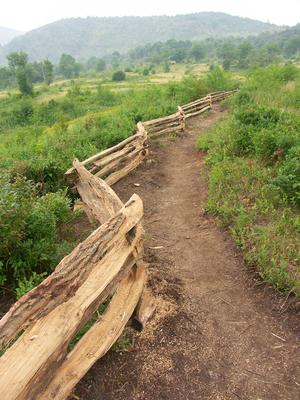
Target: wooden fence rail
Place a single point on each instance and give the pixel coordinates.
(108, 263)
(116, 162)
(40, 327)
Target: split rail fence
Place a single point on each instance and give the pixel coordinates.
(39, 328)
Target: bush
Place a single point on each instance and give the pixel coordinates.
(258, 117)
(119, 76)
(289, 72)
(105, 97)
(146, 71)
(218, 79)
(288, 176)
(31, 214)
(29, 240)
(265, 144)
(254, 181)
(17, 112)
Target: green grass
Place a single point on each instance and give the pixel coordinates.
(254, 181)
(39, 141)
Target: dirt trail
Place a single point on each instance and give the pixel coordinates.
(218, 332)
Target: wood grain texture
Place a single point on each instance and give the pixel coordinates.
(99, 200)
(145, 309)
(29, 364)
(99, 339)
(71, 272)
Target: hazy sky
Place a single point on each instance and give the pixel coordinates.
(30, 14)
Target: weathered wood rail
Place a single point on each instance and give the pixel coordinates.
(39, 328)
(107, 263)
(116, 162)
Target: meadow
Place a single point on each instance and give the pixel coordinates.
(42, 134)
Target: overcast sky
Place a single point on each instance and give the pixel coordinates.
(29, 14)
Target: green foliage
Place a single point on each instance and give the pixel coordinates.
(254, 184)
(146, 71)
(218, 79)
(86, 37)
(119, 76)
(86, 327)
(25, 285)
(18, 62)
(48, 68)
(123, 343)
(29, 242)
(68, 67)
(288, 176)
(39, 141)
(7, 78)
(167, 67)
(96, 64)
(105, 97)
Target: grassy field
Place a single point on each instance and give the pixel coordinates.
(60, 87)
(253, 157)
(40, 137)
(254, 183)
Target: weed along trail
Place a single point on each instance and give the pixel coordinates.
(218, 333)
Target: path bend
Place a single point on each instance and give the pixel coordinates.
(218, 333)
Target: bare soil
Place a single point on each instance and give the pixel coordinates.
(218, 331)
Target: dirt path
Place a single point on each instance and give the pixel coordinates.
(218, 332)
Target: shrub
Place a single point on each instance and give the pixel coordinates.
(218, 79)
(289, 72)
(119, 76)
(105, 97)
(243, 98)
(254, 181)
(259, 117)
(146, 71)
(288, 176)
(17, 112)
(29, 240)
(265, 144)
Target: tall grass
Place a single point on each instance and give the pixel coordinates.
(38, 144)
(254, 161)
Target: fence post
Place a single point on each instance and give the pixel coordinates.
(182, 118)
(210, 100)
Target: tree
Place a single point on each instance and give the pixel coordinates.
(68, 66)
(101, 65)
(18, 63)
(7, 78)
(197, 52)
(167, 67)
(292, 46)
(228, 53)
(119, 76)
(179, 55)
(48, 72)
(244, 53)
(216, 78)
(146, 71)
(115, 59)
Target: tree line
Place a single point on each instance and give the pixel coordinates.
(22, 73)
(232, 53)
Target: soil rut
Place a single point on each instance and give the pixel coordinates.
(218, 333)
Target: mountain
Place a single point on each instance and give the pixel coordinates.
(94, 36)
(6, 35)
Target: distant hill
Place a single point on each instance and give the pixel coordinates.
(93, 36)
(288, 39)
(6, 35)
